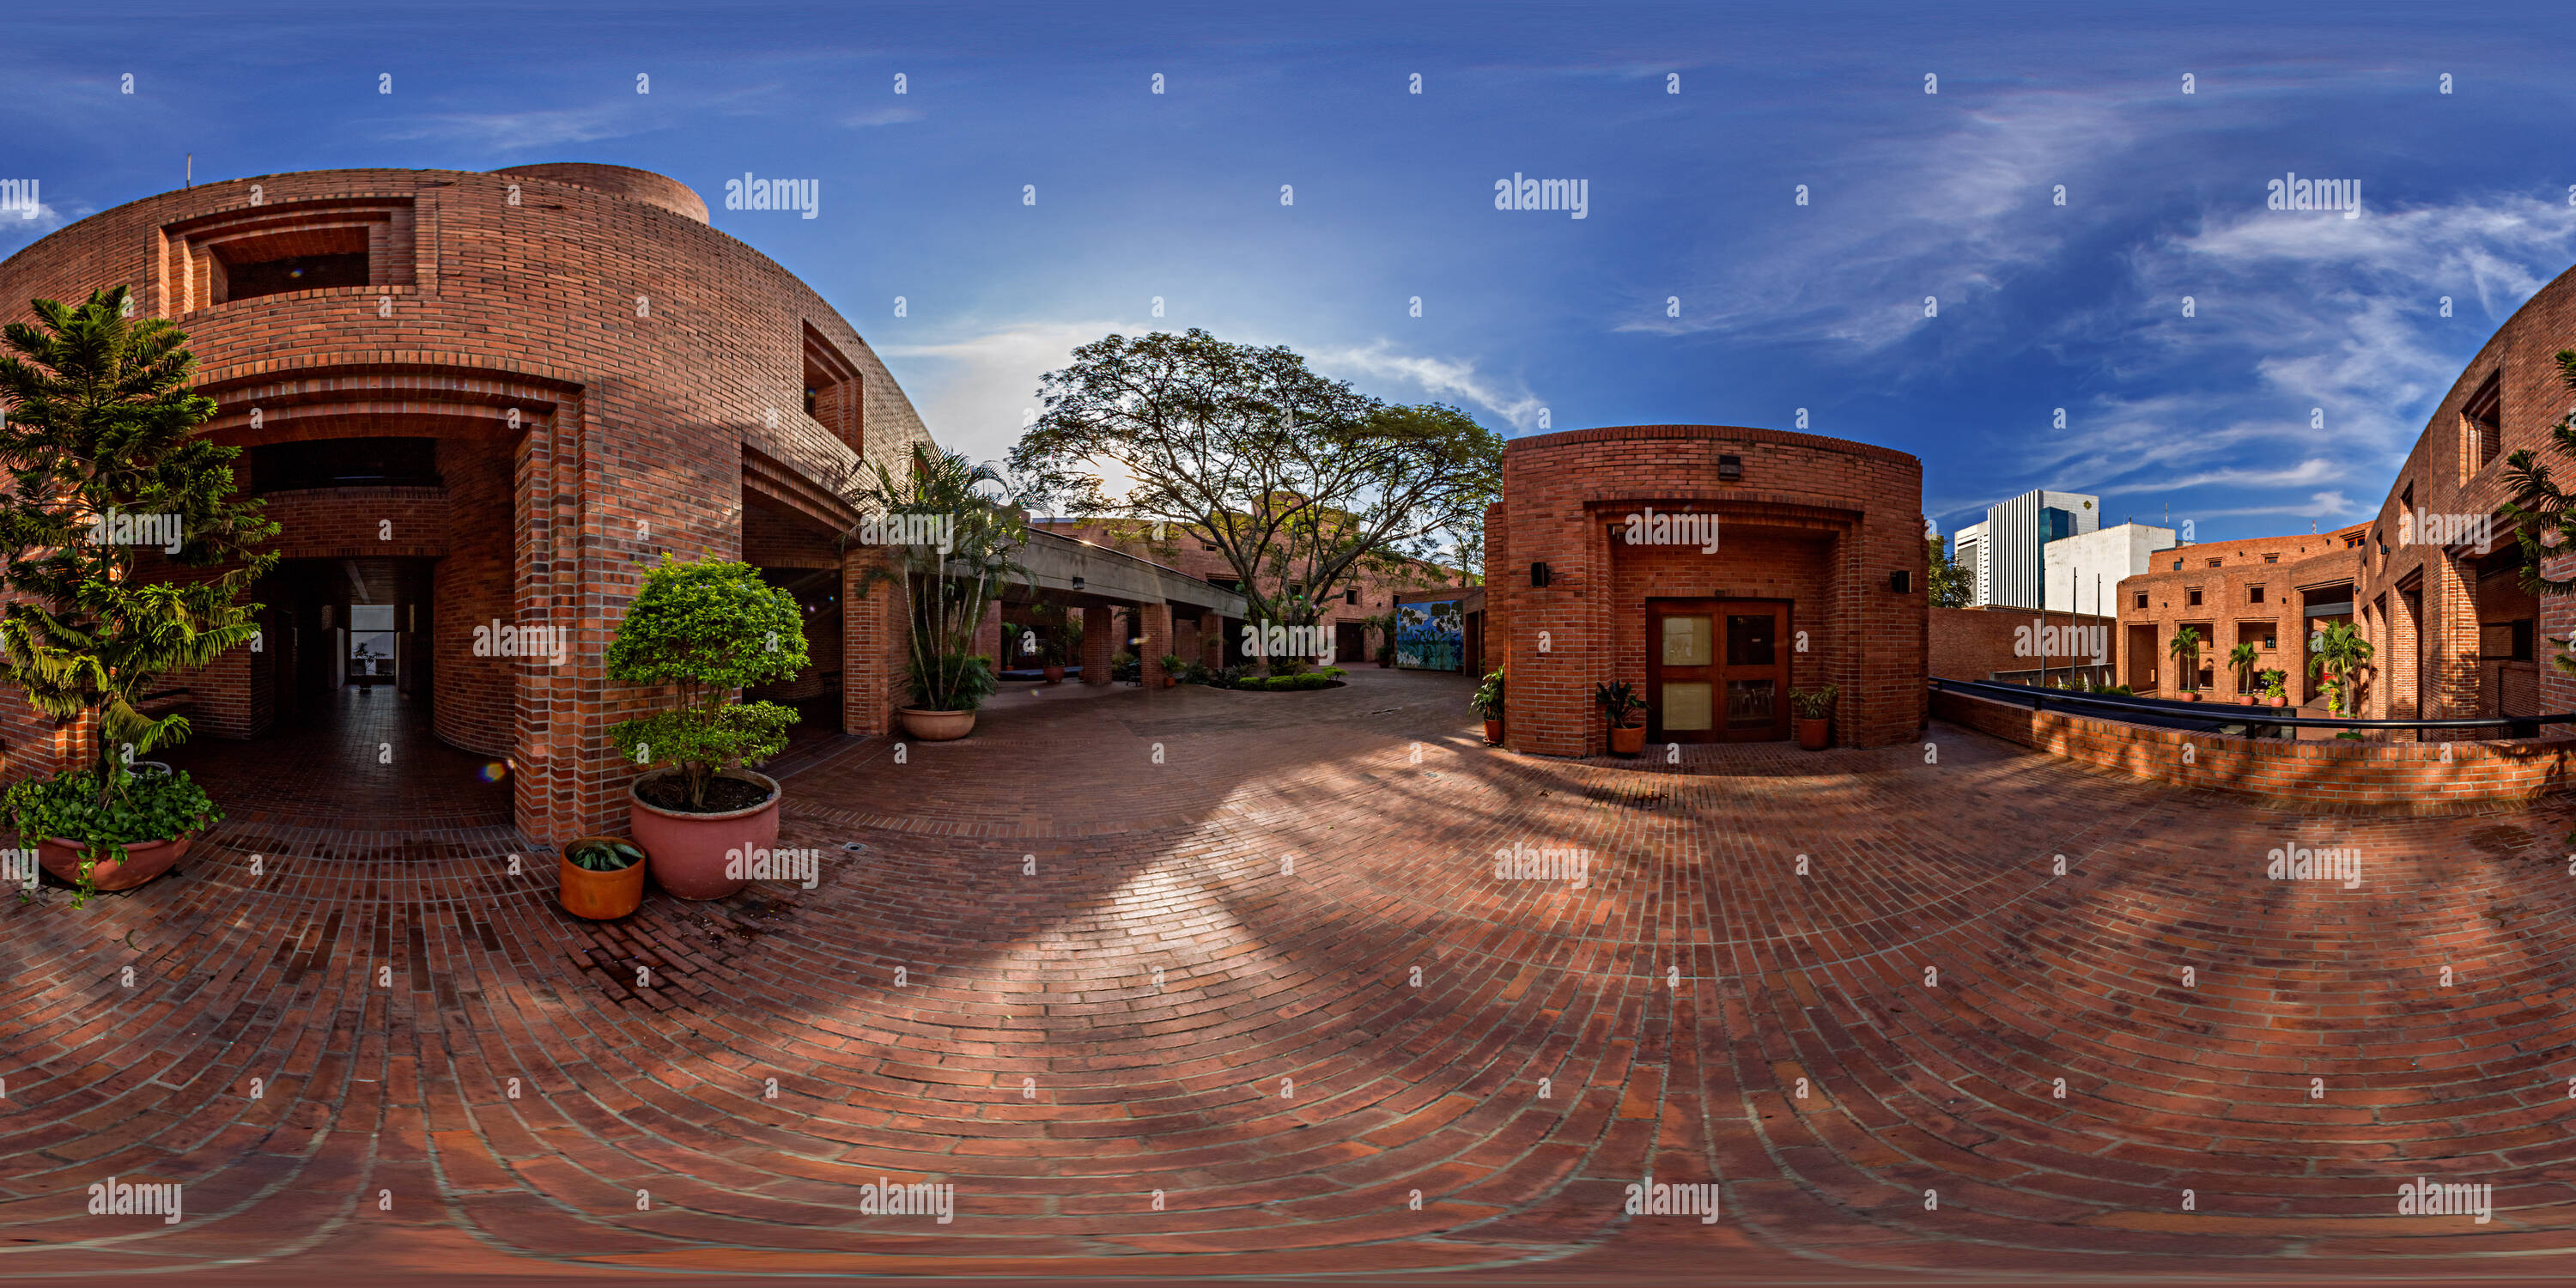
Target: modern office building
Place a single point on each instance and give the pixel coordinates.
(2012, 542)
(2083, 572)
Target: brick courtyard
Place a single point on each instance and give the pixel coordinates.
(1284, 1083)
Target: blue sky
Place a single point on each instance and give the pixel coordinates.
(1524, 313)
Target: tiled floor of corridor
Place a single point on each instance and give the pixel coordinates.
(1185, 984)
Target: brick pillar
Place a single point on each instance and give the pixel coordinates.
(566, 779)
(1096, 646)
(988, 636)
(1157, 622)
(2453, 645)
(2557, 620)
(2398, 660)
(873, 647)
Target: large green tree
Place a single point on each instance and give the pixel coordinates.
(1299, 481)
(103, 456)
(1949, 583)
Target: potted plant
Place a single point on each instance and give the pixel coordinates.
(1061, 641)
(2186, 654)
(600, 878)
(705, 628)
(1621, 703)
(1488, 702)
(99, 427)
(1384, 625)
(1171, 669)
(2272, 683)
(947, 586)
(2241, 660)
(116, 839)
(1815, 714)
(2340, 653)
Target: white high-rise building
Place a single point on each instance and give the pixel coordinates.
(1968, 550)
(2012, 541)
(2083, 572)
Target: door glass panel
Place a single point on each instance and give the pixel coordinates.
(1748, 639)
(371, 641)
(1686, 706)
(1686, 643)
(1749, 704)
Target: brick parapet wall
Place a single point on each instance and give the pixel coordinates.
(2360, 777)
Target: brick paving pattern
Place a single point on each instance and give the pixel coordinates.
(1115, 986)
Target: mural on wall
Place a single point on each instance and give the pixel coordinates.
(1430, 637)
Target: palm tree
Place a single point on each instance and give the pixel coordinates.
(2241, 660)
(947, 590)
(101, 424)
(2186, 655)
(2341, 653)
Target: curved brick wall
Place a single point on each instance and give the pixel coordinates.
(1816, 520)
(646, 357)
(2441, 676)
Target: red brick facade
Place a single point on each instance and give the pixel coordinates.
(611, 382)
(1974, 643)
(2258, 590)
(1816, 523)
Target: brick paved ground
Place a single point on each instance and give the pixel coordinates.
(1164, 1004)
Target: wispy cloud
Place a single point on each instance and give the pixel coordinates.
(519, 131)
(1441, 379)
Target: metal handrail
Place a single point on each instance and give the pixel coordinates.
(2039, 699)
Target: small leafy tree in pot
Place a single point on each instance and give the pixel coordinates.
(2186, 655)
(2341, 654)
(707, 628)
(1620, 702)
(1488, 702)
(2241, 660)
(1815, 712)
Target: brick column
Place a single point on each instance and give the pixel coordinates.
(1156, 619)
(566, 780)
(2454, 643)
(1096, 646)
(873, 647)
(988, 637)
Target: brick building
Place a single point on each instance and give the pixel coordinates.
(1817, 576)
(1367, 594)
(479, 398)
(2271, 592)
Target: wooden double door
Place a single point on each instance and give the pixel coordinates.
(1717, 670)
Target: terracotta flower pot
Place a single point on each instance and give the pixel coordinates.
(687, 851)
(1814, 735)
(1053, 674)
(143, 861)
(937, 726)
(1169, 679)
(599, 896)
(2279, 699)
(1627, 740)
(1493, 733)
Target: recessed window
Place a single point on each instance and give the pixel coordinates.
(2253, 594)
(2271, 558)
(2142, 599)
(2213, 563)
(2191, 599)
(2481, 427)
(299, 246)
(344, 462)
(1351, 596)
(834, 393)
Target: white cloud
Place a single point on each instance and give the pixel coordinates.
(1439, 379)
(881, 116)
(19, 228)
(520, 131)
(976, 394)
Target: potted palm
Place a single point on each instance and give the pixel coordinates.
(947, 585)
(2340, 653)
(1488, 702)
(600, 878)
(2241, 660)
(100, 424)
(1815, 714)
(706, 629)
(1620, 702)
(1060, 642)
(2185, 650)
(2273, 683)
(1171, 669)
